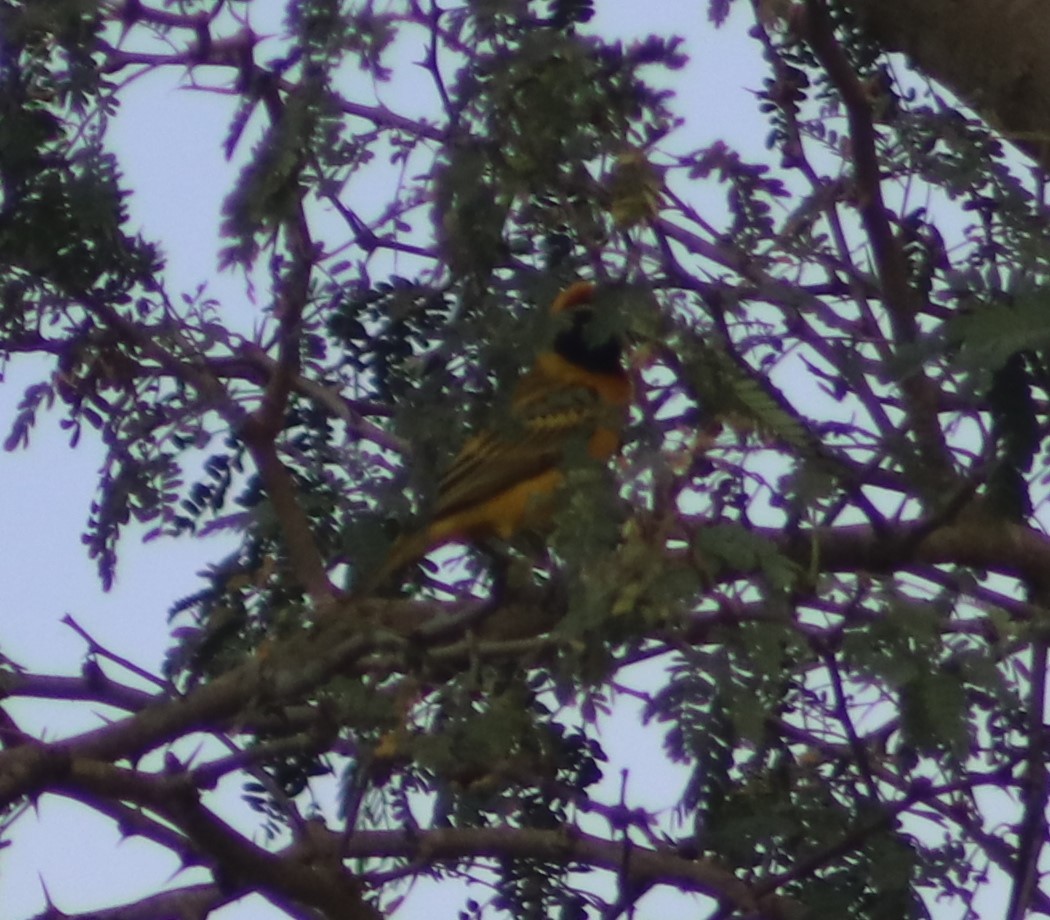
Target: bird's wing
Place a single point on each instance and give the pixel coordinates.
(545, 418)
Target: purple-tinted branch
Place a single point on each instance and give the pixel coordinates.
(207, 775)
(191, 901)
(93, 688)
(97, 648)
(132, 11)
(307, 877)
(643, 865)
(901, 301)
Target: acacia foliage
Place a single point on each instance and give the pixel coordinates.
(822, 548)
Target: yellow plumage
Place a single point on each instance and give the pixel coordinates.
(502, 480)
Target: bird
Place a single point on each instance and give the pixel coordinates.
(504, 480)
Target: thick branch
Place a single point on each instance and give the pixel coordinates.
(324, 884)
(286, 674)
(95, 687)
(639, 864)
(191, 901)
(998, 545)
(996, 56)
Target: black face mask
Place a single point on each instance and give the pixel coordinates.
(576, 344)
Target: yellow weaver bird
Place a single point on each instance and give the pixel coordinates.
(503, 479)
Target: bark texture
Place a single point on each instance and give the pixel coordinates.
(994, 55)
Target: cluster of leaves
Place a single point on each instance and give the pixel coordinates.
(63, 215)
(515, 170)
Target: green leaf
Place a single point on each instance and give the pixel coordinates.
(731, 547)
(988, 334)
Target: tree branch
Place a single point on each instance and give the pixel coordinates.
(898, 295)
(306, 877)
(645, 865)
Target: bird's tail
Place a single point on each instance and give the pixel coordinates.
(406, 549)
